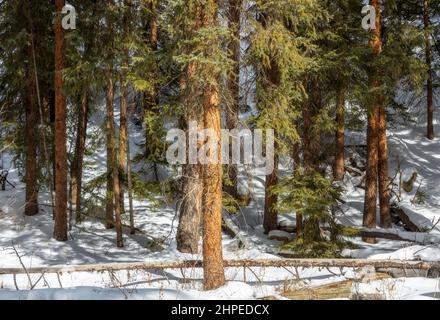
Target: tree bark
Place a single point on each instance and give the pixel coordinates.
(118, 210)
(130, 191)
(151, 99)
(339, 167)
(60, 229)
(384, 181)
(123, 141)
(369, 220)
(297, 170)
(190, 204)
(78, 159)
(214, 276)
(270, 200)
(110, 130)
(30, 106)
(428, 56)
(233, 109)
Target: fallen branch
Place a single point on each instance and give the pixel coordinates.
(274, 263)
(354, 171)
(397, 235)
(234, 231)
(411, 226)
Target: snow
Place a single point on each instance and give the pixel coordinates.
(91, 243)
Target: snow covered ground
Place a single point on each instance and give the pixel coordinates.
(28, 241)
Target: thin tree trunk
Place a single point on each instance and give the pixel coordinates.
(130, 191)
(123, 141)
(31, 205)
(270, 220)
(127, 27)
(29, 100)
(428, 56)
(118, 211)
(110, 131)
(384, 181)
(369, 220)
(232, 110)
(270, 200)
(78, 159)
(60, 229)
(151, 98)
(297, 170)
(339, 167)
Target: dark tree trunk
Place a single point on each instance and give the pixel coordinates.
(428, 56)
(30, 106)
(78, 159)
(339, 167)
(190, 205)
(60, 229)
(151, 99)
(233, 108)
(111, 158)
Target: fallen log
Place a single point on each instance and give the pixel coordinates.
(411, 226)
(391, 234)
(231, 229)
(274, 263)
(354, 171)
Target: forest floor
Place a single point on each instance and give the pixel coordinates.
(27, 242)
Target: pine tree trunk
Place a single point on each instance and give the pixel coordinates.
(78, 159)
(151, 98)
(270, 220)
(384, 181)
(428, 56)
(123, 141)
(339, 167)
(60, 229)
(30, 106)
(214, 276)
(376, 142)
(213, 270)
(297, 170)
(31, 205)
(372, 171)
(111, 158)
(232, 109)
(190, 206)
(130, 191)
(118, 210)
(270, 200)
